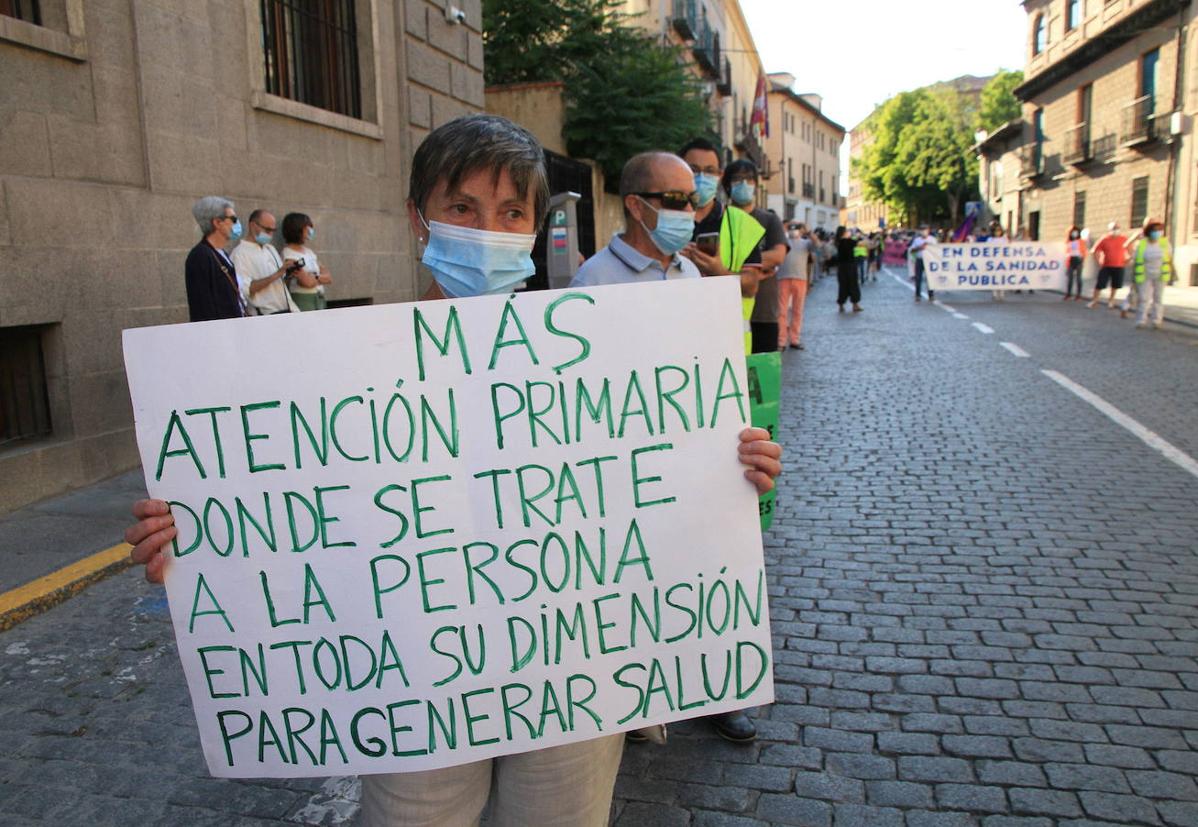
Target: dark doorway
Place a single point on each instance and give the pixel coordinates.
(566, 175)
(1033, 225)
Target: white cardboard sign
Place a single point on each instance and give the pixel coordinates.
(998, 264)
(418, 535)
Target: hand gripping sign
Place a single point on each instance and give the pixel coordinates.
(456, 529)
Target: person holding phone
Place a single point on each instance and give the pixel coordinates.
(261, 271)
(308, 276)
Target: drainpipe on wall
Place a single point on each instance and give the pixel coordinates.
(1171, 209)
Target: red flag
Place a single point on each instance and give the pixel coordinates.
(759, 123)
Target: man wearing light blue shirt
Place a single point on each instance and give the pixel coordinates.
(659, 197)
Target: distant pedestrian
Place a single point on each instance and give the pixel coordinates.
(209, 273)
(1152, 268)
(793, 281)
(261, 271)
(1075, 255)
(1111, 254)
(918, 246)
(861, 255)
(846, 271)
(310, 278)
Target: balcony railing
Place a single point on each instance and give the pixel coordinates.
(684, 18)
(809, 190)
(1031, 161)
(724, 86)
(1139, 126)
(1077, 144)
(747, 143)
(790, 184)
(706, 50)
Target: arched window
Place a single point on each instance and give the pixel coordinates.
(1039, 35)
(1073, 14)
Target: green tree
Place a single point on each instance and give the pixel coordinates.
(625, 91)
(999, 103)
(919, 162)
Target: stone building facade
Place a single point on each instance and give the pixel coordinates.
(1107, 126)
(116, 116)
(805, 147)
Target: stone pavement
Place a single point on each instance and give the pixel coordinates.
(984, 605)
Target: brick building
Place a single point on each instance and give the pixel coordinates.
(805, 147)
(116, 116)
(1106, 132)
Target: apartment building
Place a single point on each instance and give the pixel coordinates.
(1107, 128)
(716, 38)
(116, 116)
(805, 145)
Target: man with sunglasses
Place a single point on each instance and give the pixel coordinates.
(211, 278)
(261, 272)
(659, 197)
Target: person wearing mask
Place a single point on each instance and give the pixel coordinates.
(793, 280)
(1111, 254)
(309, 277)
(659, 199)
(209, 274)
(1075, 255)
(1152, 268)
(918, 245)
(478, 191)
(261, 271)
(861, 255)
(773, 248)
(726, 240)
(846, 271)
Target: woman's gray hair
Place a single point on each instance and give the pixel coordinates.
(208, 208)
(466, 145)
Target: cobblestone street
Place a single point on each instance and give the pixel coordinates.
(984, 602)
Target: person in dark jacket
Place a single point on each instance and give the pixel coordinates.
(212, 291)
(846, 271)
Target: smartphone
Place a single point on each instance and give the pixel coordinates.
(708, 243)
(296, 264)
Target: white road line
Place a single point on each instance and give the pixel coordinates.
(960, 316)
(904, 282)
(946, 308)
(1150, 438)
(1015, 349)
(984, 328)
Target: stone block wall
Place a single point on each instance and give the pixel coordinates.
(117, 114)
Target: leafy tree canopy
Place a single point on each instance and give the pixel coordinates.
(625, 91)
(919, 161)
(999, 103)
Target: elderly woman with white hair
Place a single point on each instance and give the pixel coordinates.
(212, 291)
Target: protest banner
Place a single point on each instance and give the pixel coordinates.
(894, 252)
(437, 532)
(765, 396)
(1000, 264)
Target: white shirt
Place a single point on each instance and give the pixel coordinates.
(311, 265)
(1153, 256)
(794, 266)
(255, 261)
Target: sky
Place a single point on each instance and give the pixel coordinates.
(858, 53)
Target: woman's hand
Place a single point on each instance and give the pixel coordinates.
(155, 527)
(762, 457)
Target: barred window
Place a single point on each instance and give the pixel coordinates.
(27, 10)
(311, 51)
(1139, 201)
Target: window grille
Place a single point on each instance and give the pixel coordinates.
(311, 53)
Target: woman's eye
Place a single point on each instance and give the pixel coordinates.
(459, 209)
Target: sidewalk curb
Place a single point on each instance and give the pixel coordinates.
(24, 602)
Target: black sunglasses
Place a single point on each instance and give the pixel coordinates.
(673, 199)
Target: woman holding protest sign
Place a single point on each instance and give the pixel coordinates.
(478, 193)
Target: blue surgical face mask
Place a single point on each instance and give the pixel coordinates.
(311, 233)
(674, 229)
(1155, 235)
(742, 192)
(469, 262)
(235, 231)
(706, 185)
(262, 238)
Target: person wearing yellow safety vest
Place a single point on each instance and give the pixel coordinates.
(1152, 268)
(726, 240)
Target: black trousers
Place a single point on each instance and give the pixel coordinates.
(765, 336)
(850, 288)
